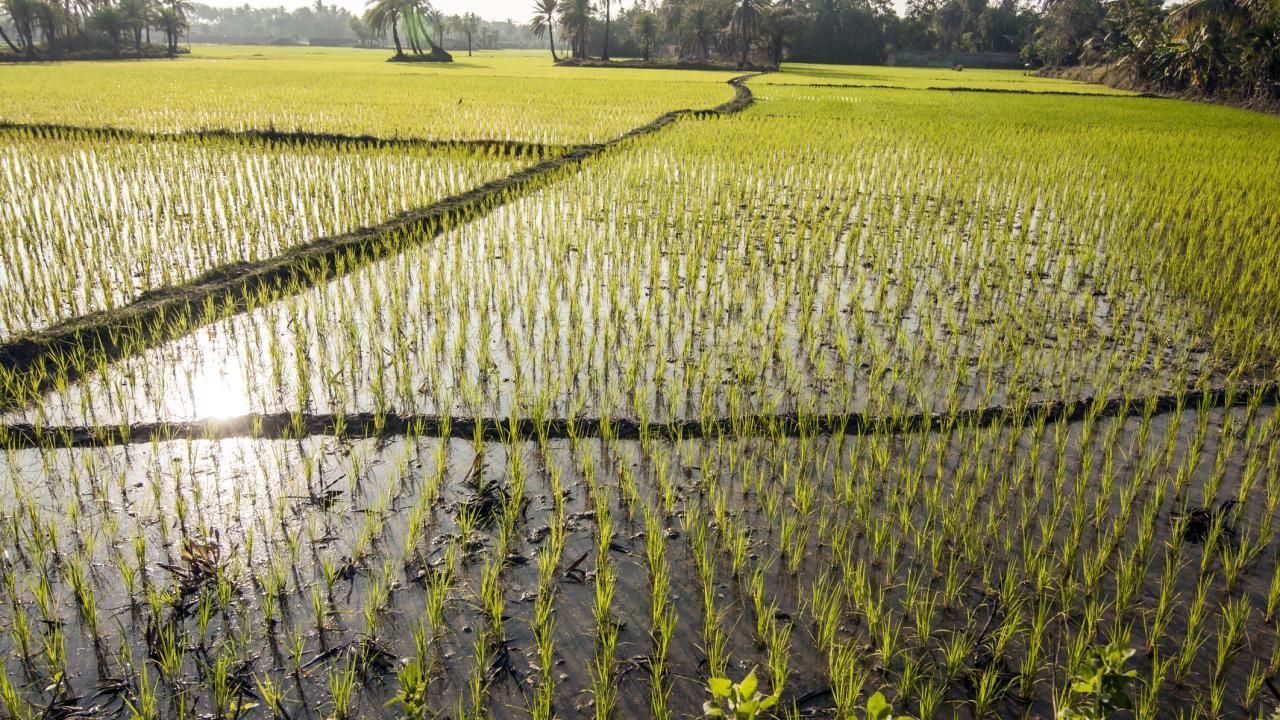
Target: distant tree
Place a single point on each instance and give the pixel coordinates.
(645, 28)
(700, 27)
(173, 23)
(744, 24)
(467, 25)
(1069, 29)
(575, 23)
(136, 15)
(608, 8)
(111, 22)
(782, 24)
(22, 13)
(364, 36)
(543, 22)
(384, 15)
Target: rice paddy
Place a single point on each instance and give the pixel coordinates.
(962, 403)
(90, 223)
(496, 96)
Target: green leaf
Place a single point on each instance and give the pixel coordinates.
(748, 685)
(877, 707)
(720, 687)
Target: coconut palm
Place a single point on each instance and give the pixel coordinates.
(543, 22)
(467, 24)
(645, 28)
(608, 14)
(437, 19)
(384, 15)
(781, 23)
(22, 13)
(173, 23)
(137, 17)
(744, 24)
(575, 22)
(110, 22)
(693, 26)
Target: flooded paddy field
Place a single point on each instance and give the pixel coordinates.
(937, 565)
(949, 396)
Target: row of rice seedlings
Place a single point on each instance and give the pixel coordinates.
(90, 223)
(544, 621)
(901, 592)
(498, 98)
(679, 331)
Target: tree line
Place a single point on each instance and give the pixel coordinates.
(1224, 48)
(51, 28)
(1215, 47)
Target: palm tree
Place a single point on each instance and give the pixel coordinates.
(382, 15)
(693, 27)
(415, 25)
(22, 13)
(5, 36)
(781, 23)
(137, 16)
(50, 19)
(174, 24)
(1204, 33)
(175, 27)
(468, 24)
(745, 24)
(110, 22)
(645, 27)
(543, 22)
(437, 19)
(604, 55)
(575, 21)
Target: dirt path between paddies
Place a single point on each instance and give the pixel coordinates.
(35, 362)
(282, 137)
(282, 426)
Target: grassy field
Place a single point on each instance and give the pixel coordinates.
(953, 396)
(503, 96)
(924, 78)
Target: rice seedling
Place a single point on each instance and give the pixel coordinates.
(911, 391)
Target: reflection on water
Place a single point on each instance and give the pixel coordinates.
(218, 390)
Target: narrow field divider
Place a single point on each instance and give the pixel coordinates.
(997, 91)
(38, 361)
(293, 426)
(279, 137)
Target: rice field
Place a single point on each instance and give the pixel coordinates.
(89, 223)
(963, 402)
(492, 96)
(919, 78)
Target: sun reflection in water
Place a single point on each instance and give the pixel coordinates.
(218, 390)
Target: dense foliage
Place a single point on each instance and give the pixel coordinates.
(1212, 46)
(48, 28)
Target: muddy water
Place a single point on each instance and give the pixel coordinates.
(502, 317)
(290, 508)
